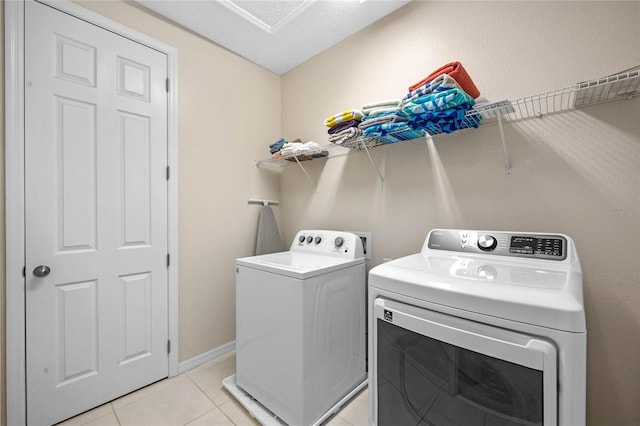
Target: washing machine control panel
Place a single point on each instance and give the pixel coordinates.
(332, 243)
(499, 243)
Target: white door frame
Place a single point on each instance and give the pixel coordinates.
(15, 320)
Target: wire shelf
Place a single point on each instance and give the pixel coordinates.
(277, 163)
(625, 85)
(612, 88)
(606, 89)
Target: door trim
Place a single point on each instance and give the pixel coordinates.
(14, 193)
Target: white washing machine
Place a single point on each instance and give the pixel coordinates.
(480, 328)
(300, 329)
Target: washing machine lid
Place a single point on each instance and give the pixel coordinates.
(530, 278)
(312, 252)
(297, 265)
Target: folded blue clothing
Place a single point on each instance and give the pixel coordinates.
(388, 117)
(277, 146)
(393, 132)
(447, 121)
(401, 136)
(384, 128)
(471, 121)
(457, 112)
(439, 101)
(280, 141)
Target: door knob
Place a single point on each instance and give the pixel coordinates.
(41, 271)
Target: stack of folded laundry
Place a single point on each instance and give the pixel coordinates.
(302, 151)
(385, 122)
(439, 103)
(343, 127)
(297, 149)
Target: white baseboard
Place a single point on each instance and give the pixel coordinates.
(214, 353)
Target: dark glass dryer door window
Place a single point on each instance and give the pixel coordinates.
(434, 369)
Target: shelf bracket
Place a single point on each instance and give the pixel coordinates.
(373, 163)
(504, 144)
(315, 186)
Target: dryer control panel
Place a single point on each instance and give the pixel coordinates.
(499, 243)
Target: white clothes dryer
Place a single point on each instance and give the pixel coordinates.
(480, 328)
(301, 328)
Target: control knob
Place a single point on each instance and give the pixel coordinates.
(301, 238)
(339, 241)
(487, 242)
(309, 239)
(318, 240)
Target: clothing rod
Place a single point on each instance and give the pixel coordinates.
(263, 202)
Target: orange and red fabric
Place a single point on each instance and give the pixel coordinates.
(457, 72)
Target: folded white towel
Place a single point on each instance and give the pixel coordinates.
(309, 147)
(295, 148)
(368, 108)
(290, 148)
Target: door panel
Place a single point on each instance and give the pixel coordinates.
(77, 331)
(135, 317)
(135, 148)
(96, 214)
(76, 173)
(75, 61)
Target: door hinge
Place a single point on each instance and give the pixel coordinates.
(168, 260)
(167, 85)
(168, 346)
(168, 172)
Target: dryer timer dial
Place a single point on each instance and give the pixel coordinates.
(487, 242)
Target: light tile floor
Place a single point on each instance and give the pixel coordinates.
(195, 398)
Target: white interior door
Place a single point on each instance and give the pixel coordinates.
(96, 215)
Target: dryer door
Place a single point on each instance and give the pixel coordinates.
(434, 369)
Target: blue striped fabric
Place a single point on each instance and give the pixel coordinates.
(446, 121)
(393, 132)
(439, 101)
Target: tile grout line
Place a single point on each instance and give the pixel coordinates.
(202, 390)
(205, 395)
(217, 407)
(115, 414)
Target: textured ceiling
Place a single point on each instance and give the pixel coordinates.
(278, 35)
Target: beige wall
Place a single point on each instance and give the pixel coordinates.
(229, 111)
(575, 173)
